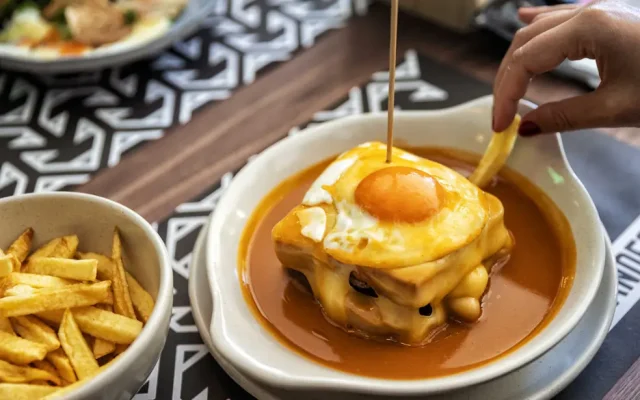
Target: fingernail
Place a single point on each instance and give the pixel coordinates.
(528, 128)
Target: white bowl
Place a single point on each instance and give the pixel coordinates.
(258, 354)
(93, 219)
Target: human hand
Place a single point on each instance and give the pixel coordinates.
(606, 31)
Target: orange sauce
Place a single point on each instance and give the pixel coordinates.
(522, 297)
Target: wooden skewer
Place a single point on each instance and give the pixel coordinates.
(392, 76)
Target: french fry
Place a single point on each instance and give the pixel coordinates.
(108, 301)
(97, 308)
(53, 317)
(103, 347)
(64, 247)
(63, 365)
(80, 270)
(100, 323)
(18, 374)
(31, 328)
(20, 290)
(20, 248)
(5, 326)
(69, 296)
(33, 280)
(496, 154)
(47, 366)
(120, 348)
(105, 265)
(68, 389)
(76, 348)
(8, 263)
(24, 391)
(141, 299)
(121, 298)
(20, 351)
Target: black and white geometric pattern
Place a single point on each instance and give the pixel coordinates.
(56, 131)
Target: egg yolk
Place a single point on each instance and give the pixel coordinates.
(400, 194)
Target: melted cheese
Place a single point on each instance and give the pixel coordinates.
(451, 278)
(313, 222)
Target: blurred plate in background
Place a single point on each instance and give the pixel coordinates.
(187, 23)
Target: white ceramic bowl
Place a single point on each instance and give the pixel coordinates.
(259, 355)
(93, 219)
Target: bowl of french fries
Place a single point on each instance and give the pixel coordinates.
(86, 292)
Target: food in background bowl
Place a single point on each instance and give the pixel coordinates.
(460, 274)
(60, 28)
(64, 315)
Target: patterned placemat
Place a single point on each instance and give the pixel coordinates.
(56, 131)
(187, 371)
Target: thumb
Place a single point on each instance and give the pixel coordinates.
(591, 110)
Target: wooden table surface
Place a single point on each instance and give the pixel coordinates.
(163, 174)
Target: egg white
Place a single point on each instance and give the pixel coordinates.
(360, 238)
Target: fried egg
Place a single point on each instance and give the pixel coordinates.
(408, 212)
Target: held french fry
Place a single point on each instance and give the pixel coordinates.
(141, 299)
(20, 351)
(121, 298)
(24, 391)
(63, 365)
(105, 265)
(496, 154)
(76, 348)
(100, 324)
(20, 248)
(17, 374)
(77, 295)
(80, 270)
(31, 328)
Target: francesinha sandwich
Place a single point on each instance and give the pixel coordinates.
(392, 250)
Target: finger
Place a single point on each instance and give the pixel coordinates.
(524, 35)
(539, 55)
(527, 14)
(591, 110)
